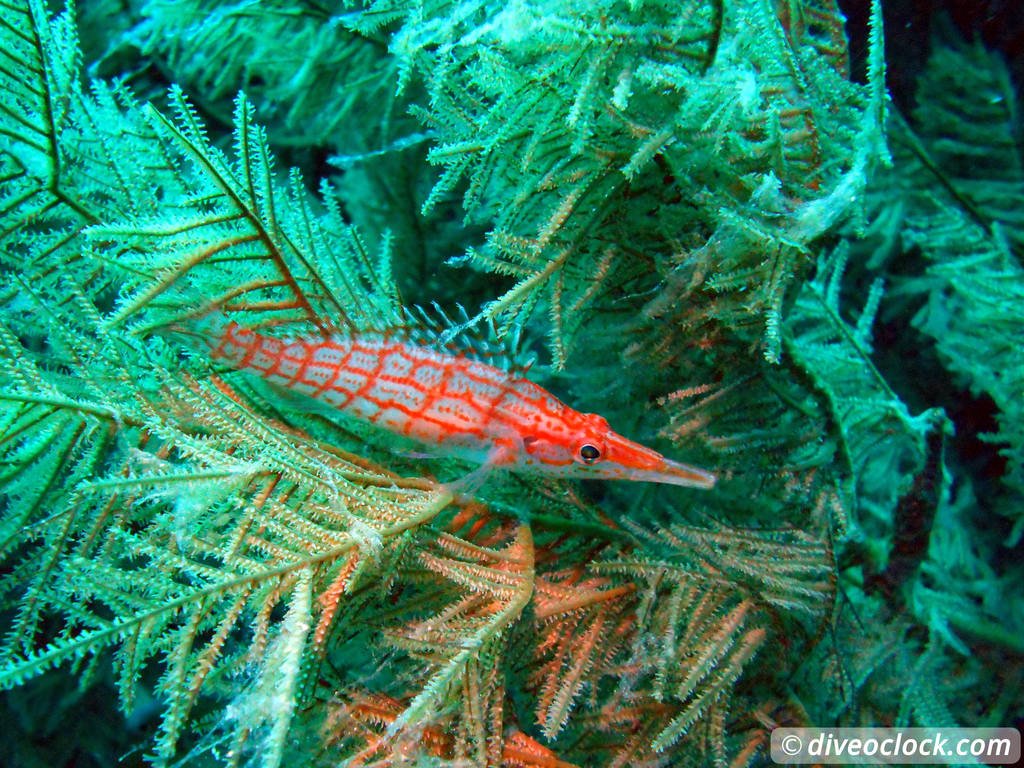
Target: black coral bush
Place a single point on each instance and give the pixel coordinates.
(688, 211)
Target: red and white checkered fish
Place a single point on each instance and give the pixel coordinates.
(457, 405)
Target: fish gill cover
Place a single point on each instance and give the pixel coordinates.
(696, 221)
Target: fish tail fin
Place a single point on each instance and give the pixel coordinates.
(207, 330)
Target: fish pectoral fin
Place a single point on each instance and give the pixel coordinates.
(416, 454)
(500, 455)
(469, 483)
(464, 487)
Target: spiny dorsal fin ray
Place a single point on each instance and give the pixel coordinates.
(433, 328)
(436, 328)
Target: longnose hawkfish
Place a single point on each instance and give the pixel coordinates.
(457, 405)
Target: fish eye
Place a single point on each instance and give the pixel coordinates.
(589, 453)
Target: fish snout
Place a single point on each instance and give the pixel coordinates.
(643, 464)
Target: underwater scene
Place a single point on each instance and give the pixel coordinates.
(524, 384)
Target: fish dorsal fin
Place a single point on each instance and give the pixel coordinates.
(437, 329)
(431, 327)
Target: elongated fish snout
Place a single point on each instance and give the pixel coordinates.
(675, 473)
(633, 461)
